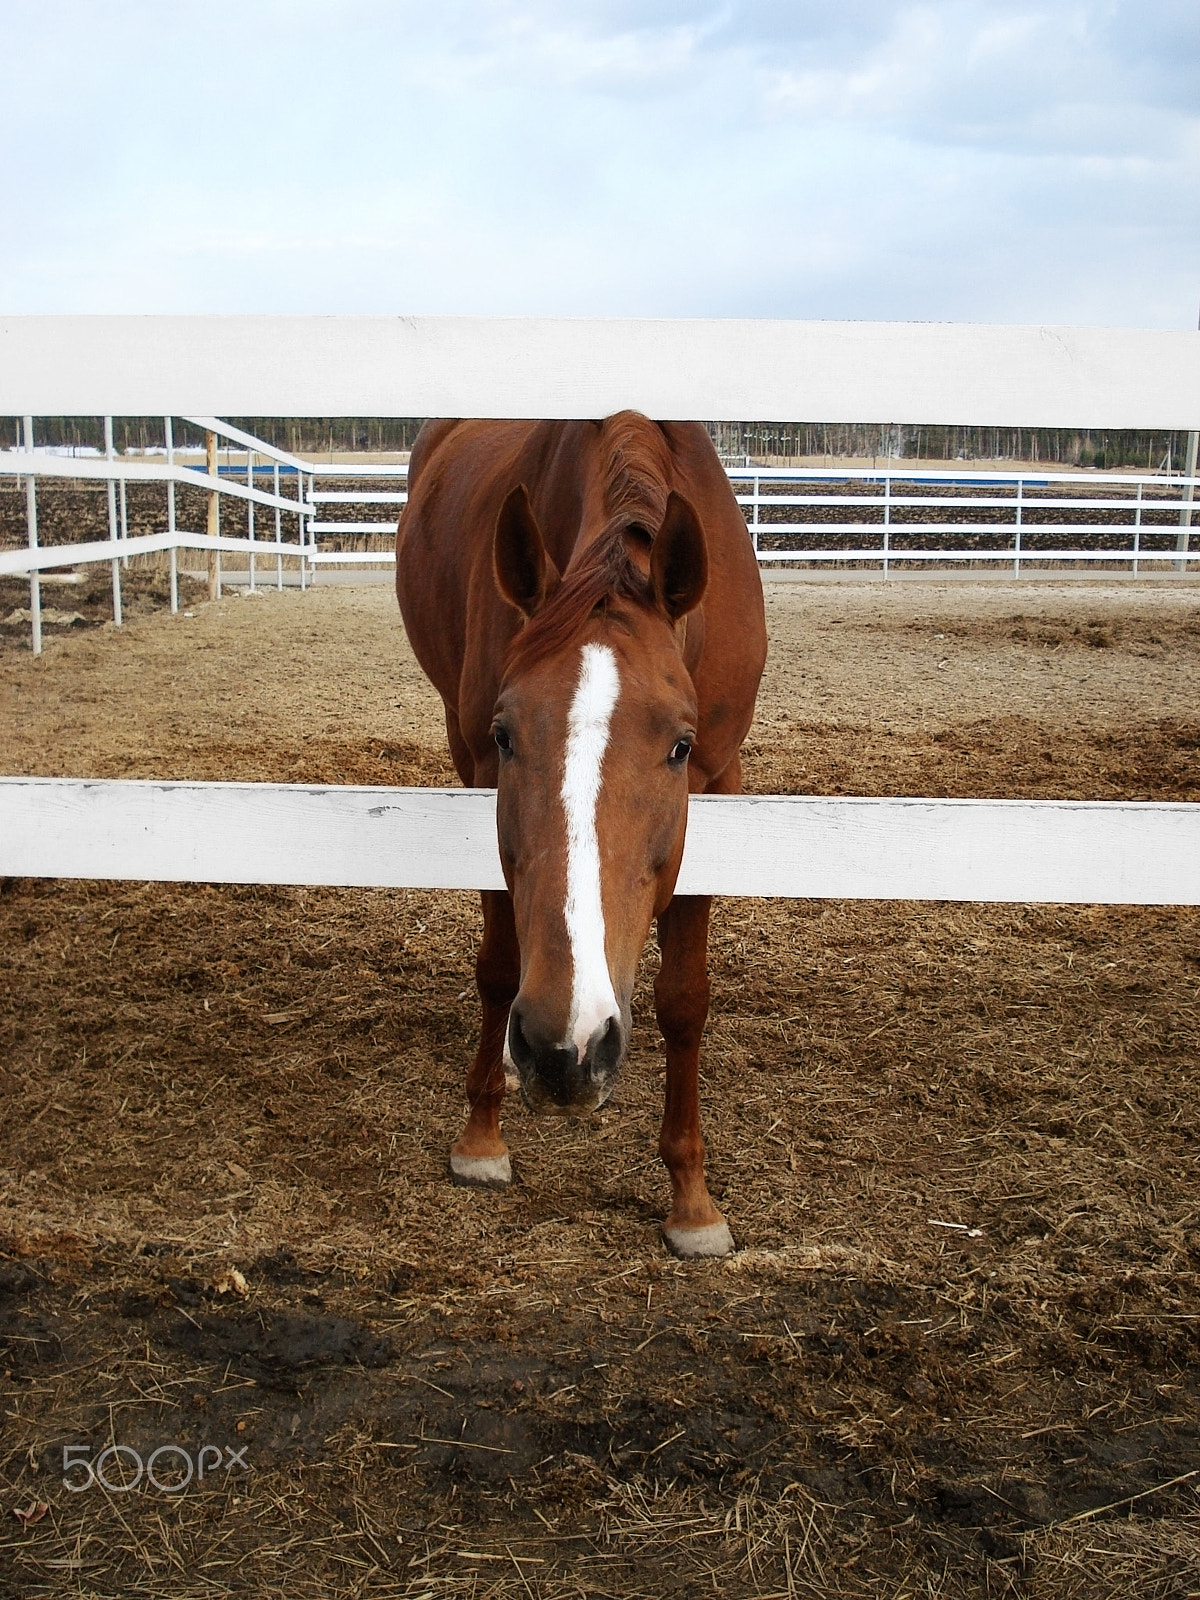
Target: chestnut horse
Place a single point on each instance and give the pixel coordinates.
(585, 599)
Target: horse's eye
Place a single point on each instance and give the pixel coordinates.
(503, 742)
(680, 751)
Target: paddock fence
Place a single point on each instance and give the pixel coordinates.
(891, 519)
(807, 519)
(1057, 851)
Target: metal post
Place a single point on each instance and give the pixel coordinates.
(1017, 535)
(300, 523)
(35, 577)
(312, 538)
(278, 534)
(112, 524)
(1137, 529)
(250, 512)
(124, 520)
(887, 526)
(213, 526)
(309, 514)
(1183, 539)
(169, 436)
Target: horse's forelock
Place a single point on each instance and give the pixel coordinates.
(604, 572)
(635, 467)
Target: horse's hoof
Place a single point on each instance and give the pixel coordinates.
(481, 1172)
(692, 1244)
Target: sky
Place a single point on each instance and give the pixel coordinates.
(958, 160)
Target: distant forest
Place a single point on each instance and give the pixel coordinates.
(1152, 450)
(736, 441)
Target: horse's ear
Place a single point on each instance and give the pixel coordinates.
(679, 559)
(525, 574)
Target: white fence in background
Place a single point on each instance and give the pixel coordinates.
(1060, 851)
(882, 517)
(884, 520)
(518, 367)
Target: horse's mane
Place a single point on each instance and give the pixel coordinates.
(604, 573)
(634, 465)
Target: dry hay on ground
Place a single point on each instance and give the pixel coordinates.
(957, 1145)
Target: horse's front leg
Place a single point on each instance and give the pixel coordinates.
(480, 1155)
(694, 1227)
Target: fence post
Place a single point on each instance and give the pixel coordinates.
(250, 513)
(1137, 529)
(278, 534)
(887, 523)
(311, 514)
(1183, 539)
(112, 524)
(300, 493)
(124, 520)
(35, 577)
(754, 524)
(213, 526)
(1017, 534)
(169, 438)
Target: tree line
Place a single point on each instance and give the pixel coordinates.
(1152, 450)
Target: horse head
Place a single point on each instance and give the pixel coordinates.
(595, 725)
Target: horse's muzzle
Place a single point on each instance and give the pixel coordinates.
(553, 1076)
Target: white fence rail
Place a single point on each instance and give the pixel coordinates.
(519, 367)
(1059, 851)
(1140, 522)
(892, 518)
(886, 520)
(117, 472)
(729, 369)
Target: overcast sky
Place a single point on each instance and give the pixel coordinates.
(963, 160)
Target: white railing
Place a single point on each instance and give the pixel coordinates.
(1059, 851)
(117, 472)
(880, 519)
(760, 369)
(1153, 512)
(826, 372)
(1153, 515)
(1140, 521)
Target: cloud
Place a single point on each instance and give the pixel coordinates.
(965, 158)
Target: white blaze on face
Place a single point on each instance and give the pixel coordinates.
(592, 997)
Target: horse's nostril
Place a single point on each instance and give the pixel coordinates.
(519, 1047)
(546, 1068)
(605, 1048)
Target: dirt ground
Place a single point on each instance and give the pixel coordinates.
(956, 1352)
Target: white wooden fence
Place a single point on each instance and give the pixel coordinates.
(820, 372)
(879, 519)
(767, 846)
(732, 370)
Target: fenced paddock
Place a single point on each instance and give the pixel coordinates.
(954, 1137)
(910, 373)
(806, 520)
